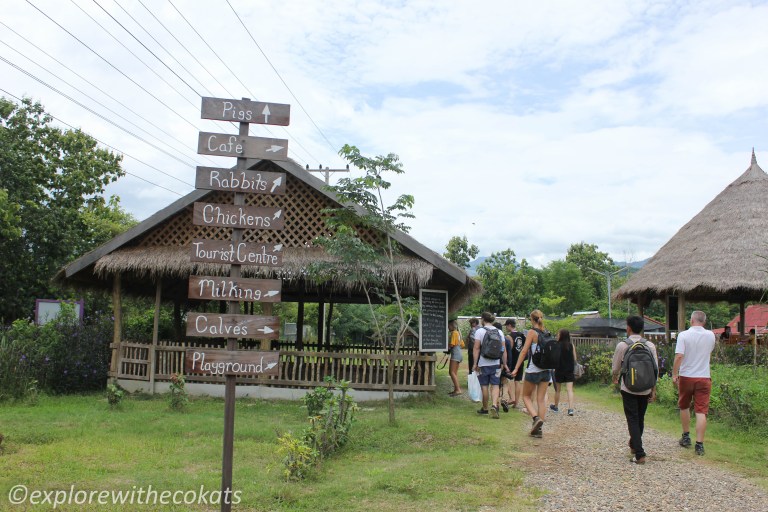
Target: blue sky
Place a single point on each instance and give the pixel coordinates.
(522, 125)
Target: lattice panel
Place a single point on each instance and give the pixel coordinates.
(301, 205)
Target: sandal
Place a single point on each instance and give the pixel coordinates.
(454, 393)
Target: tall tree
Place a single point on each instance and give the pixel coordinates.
(510, 288)
(51, 207)
(564, 279)
(372, 267)
(593, 264)
(460, 252)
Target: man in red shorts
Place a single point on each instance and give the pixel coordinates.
(691, 375)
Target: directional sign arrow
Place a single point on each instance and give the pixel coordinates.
(271, 365)
(266, 113)
(278, 213)
(266, 330)
(274, 149)
(278, 248)
(276, 184)
(271, 293)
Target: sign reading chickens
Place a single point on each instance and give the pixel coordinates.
(242, 363)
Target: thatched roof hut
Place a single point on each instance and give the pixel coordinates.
(159, 249)
(719, 255)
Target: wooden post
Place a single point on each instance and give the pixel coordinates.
(681, 317)
(742, 318)
(641, 305)
(320, 323)
(117, 336)
(155, 336)
(300, 325)
(328, 327)
(266, 310)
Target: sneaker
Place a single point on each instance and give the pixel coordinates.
(699, 448)
(638, 460)
(553, 408)
(505, 406)
(537, 434)
(495, 412)
(537, 423)
(482, 411)
(685, 441)
(570, 412)
(631, 450)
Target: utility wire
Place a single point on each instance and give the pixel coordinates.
(112, 65)
(92, 98)
(111, 147)
(92, 111)
(280, 77)
(110, 34)
(148, 121)
(146, 48)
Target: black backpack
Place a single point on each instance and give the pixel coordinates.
(547, 353)
(638, 368)
(492, 344)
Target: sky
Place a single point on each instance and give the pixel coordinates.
(522, 125)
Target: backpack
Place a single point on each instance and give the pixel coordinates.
(547, 353)
(638, 368)
(492, 344)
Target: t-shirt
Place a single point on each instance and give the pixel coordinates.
(618, 357)
(696, 345)
(479, 335)
(518, 341)
(565, 366)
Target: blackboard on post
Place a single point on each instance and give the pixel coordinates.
(433, 321)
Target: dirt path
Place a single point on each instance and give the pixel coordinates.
(583, 462)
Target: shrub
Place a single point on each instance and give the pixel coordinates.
(114, 395)
(298, 457)
(178, 396)
(18, 362)
(739, 396)
(599, 367)
(666, 391)
(315, 400)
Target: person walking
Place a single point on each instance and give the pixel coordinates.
(517, 340)
(564, 371)
(635, 402)
(474, 324)
(691, 375)
(536, 379)
(489, 370)
(455, 345)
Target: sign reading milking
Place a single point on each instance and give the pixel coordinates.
(234, 216)
(243, 253)
(225, 144)
(231, 288)
(245, 111)
(231, 362)
(217, 325)
(232, 180)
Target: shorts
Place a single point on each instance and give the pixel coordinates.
(537, 377)
(696, 388)
(561, 377)
(456, 354)
(489, 375)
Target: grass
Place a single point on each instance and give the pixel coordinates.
(441, 455)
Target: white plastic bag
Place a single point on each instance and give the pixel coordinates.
(473, 387)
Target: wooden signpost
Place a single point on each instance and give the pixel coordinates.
(235, 289)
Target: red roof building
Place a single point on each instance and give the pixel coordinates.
(756, 317)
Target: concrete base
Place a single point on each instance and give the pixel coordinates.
(266, 392)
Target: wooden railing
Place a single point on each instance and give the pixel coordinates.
(364, 367)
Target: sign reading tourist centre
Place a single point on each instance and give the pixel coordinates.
(245, 111)
(242, 253)
(231, 362)
(225, 144)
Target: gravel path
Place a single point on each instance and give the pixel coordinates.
(583, 463)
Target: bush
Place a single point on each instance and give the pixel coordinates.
(739, 396)
(19, 365)
(114, 395)
(178, 396)
(315, 400)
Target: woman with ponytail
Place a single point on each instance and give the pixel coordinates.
(536, 379)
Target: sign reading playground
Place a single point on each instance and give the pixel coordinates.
(245, 363)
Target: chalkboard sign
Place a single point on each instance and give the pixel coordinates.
(433, 321)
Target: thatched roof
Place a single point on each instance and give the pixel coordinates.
(719, 254)
(159, 249)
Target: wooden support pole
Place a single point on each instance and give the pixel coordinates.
(320, 322)
(155, 336)
(300, 326)
(117, 335)
(328, 340)
(742, 318)
(681, 316)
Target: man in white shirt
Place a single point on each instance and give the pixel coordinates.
(489, 370)
(691, 375)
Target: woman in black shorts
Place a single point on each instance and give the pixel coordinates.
(564, 371)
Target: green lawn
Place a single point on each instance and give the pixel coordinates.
(440, 456)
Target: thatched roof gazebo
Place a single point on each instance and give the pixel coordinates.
(719, 255)
(153, 260)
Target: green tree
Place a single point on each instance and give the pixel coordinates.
(589, 259)
(510, 288)
(564, 279)
(460, 252)
(370, 266)
(51, 207)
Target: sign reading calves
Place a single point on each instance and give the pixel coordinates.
(244, 363)
(217, 325)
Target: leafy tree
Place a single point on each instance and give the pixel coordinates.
(51, 207)
(373, 267)
(510, 287)
(460, 252)
(589, 259)
(564, 279)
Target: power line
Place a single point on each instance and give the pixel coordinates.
(91, 110)
(111, 147)
(134, 55)
(146, 48)
(280, 77)
(148, 121)
(88, 96)
(112, 65)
